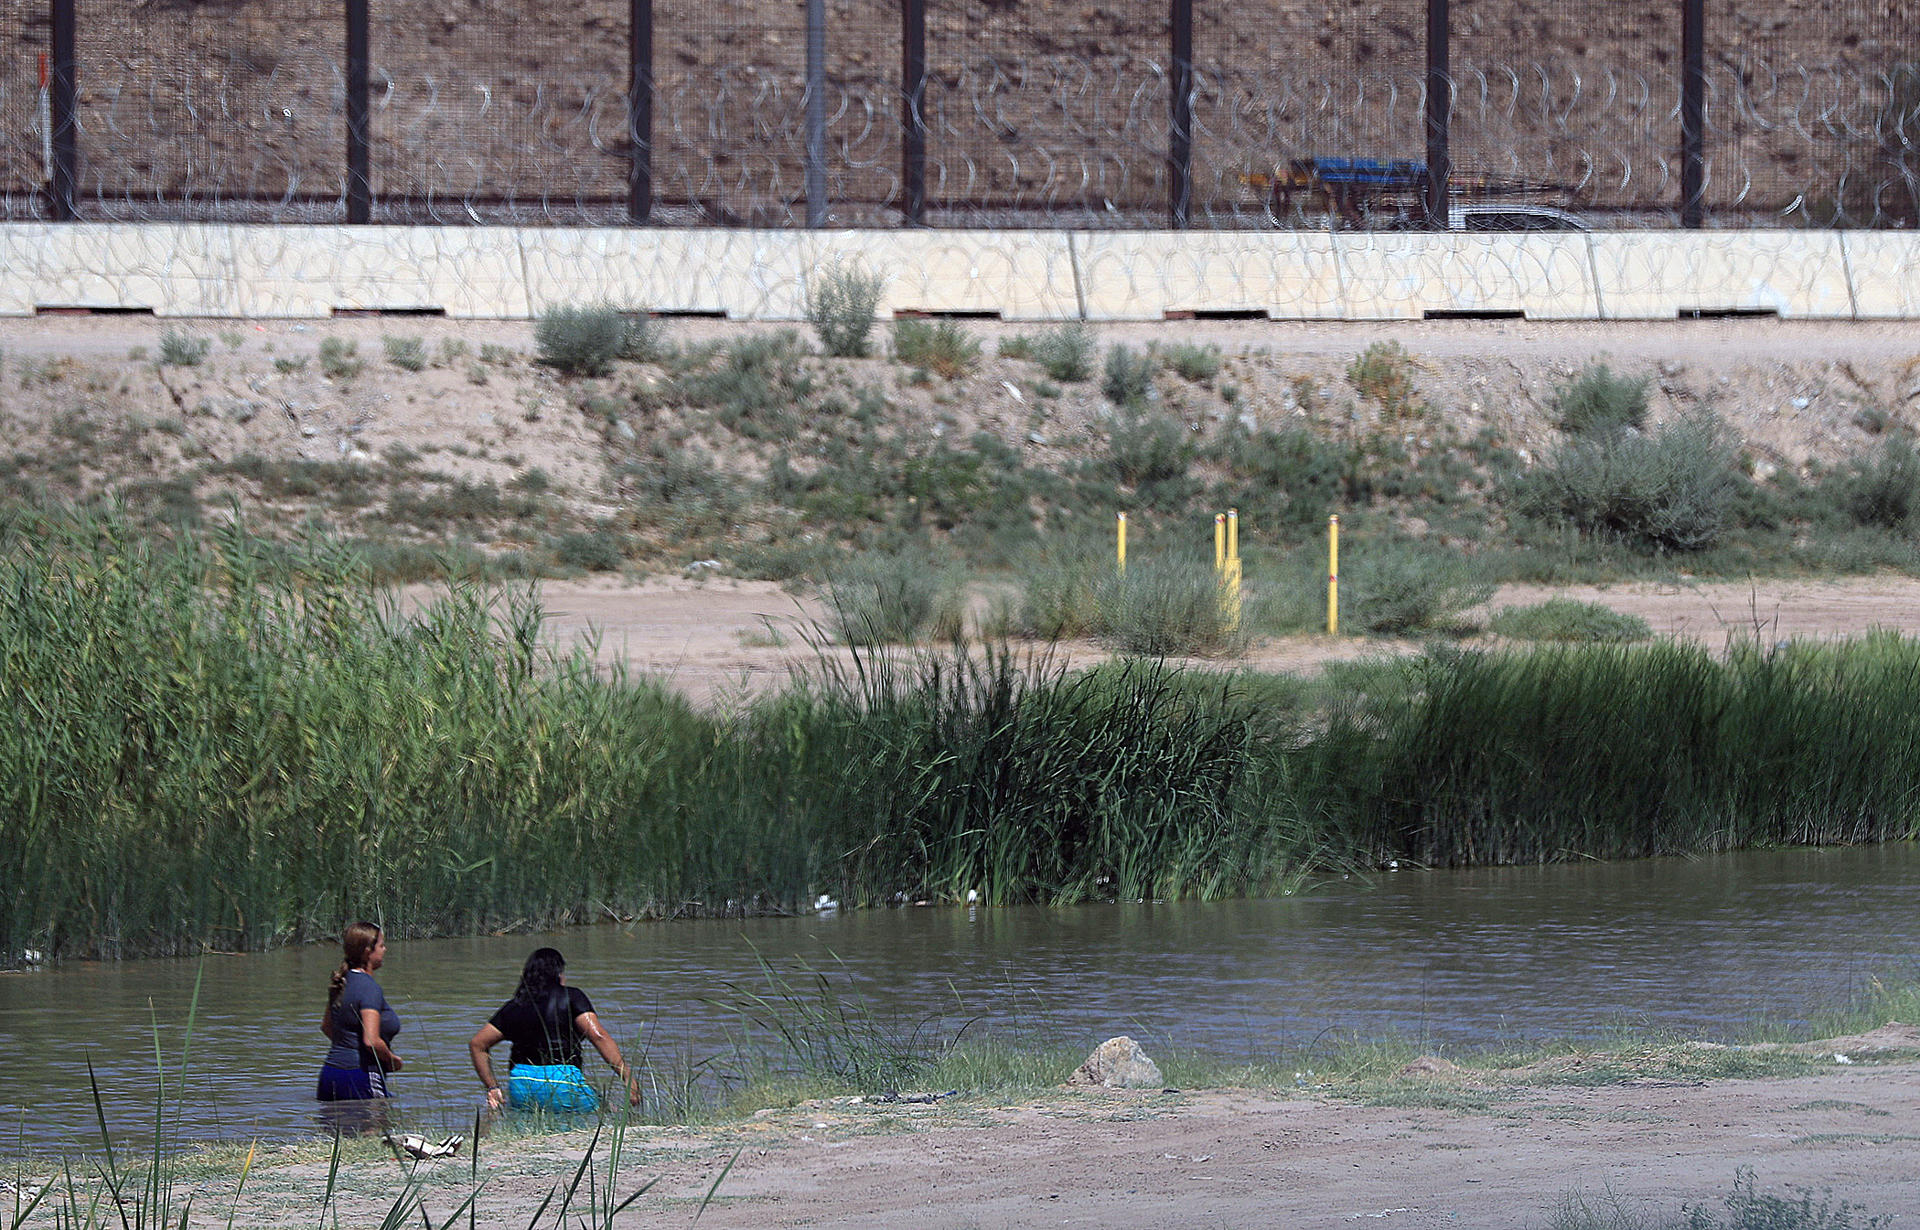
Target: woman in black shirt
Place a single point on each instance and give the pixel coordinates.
(545, 1021)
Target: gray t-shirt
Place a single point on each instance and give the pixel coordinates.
(361, 991)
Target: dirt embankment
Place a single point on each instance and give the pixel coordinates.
(1436, 1148)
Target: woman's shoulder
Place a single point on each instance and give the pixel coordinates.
(577, 1001)
(361, 985)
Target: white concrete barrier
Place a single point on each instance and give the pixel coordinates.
(505, 272)
(1660, 275)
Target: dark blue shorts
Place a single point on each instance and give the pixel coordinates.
(350, 1084)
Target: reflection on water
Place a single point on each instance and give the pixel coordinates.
(1462, 958)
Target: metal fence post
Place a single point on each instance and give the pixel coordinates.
(913, 91)
(1693, 113)
(1180, 138)
(640, 111)
(1439, 107)
(63, 113)
(359, 159)
(816, 117)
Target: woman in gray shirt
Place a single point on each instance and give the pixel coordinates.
(358, 1022)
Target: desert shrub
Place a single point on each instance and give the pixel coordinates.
(596, 551)
(755, 385)
(1398, 589)
(1670, 491)
(1191, 362)
(1565, 619)
(1383, 375)
(338, 358)
(1057, 598)
(182, 349)
(1164, 606)
(580, 340)
(1019, 346)
(941, 346)
(406, 353)
(889, 599)
(1596, 402)
(1148, 448)
(1065, 353)
(1883, 489)
(842, 301)
(1128, 377)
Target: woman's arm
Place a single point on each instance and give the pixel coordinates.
(326, 1022)
(483, 1042)
(371, 1039)
(590, 1028)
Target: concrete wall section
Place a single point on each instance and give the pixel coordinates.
(1884, 269)
(1406, 276)
(1660, 275)
(513, 273)
(1149, 275)
(169, 269)
(1017, 275)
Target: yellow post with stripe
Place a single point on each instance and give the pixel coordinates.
(1333, 576)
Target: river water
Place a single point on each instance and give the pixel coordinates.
(1456, 958)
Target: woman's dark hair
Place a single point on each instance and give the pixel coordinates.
(541, 990)
(357, 942)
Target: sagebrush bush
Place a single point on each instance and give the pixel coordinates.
(580, 340)
(406, 353)
(1128, 378)
(598, 551)
(1400, 589)
(181, 349)
(943, 347)
(1383, 374)
(1597, 401)
(1165, 606)
(1569, 620)
(338, 358)
(1065, 353)
(1148, 448)
(842, 302)
(1673, 490)
(1195, 363)
(1883, 488)
(891, 599)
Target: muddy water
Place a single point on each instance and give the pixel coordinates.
(1458, 958)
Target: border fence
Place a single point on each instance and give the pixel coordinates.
(1100, 114)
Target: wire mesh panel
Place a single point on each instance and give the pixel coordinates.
(1037, 114)
(210, 110)
(1813, 112)
(730, 115)
(1572, 102)
(1281, 87)
(499, 111)
(24, 157)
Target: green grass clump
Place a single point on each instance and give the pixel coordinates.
(1883, 488)
(1567, 619)
(1065, 352)
(182, 349)
(1597, 402)
(1400, 589)
(1383, 374)
(409, 354)
(842, 304)
(581, 340)
(879, 599)
(339, 358)
(596, 551)
(1147, 448)
(1674, 490)
(943, 347)
(1746, 1207)
(1128, 379)
(1197, 364)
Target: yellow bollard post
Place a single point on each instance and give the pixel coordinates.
(1120, 535)
(1333, 576)
(1220, 544)
(1233, 569)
